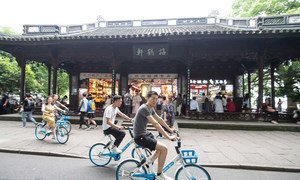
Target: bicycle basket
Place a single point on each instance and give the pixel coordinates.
(189, 156)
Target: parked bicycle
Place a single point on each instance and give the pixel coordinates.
(188, 169)
(61, 132)
(100, 153)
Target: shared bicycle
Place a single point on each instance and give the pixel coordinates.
(100, 153)
(62, 134)
(65, 122)
(141, 169)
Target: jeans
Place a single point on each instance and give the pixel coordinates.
(26, 114)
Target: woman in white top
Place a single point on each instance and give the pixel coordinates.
(218, 104)
(136, 102)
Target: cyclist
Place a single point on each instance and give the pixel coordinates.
(108, 123)
(58, 104)
(49, 109)
(142, 137)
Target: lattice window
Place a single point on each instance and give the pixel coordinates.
(192, 21)
(274, 20)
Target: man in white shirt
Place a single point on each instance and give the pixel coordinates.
(108, 123)
(194, 105)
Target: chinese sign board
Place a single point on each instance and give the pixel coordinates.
(150, 51)
(97, 76)
(152, 76)
(212, 82)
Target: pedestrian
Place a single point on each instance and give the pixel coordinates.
(218, 104)
(108, 123)
(28, 108)
(91, 109)
(246, 104)
(107, 102)
(136, 102)
(83, 111)
(168, 113)
(268, 109)
(127, 103)
(230, 106)
(4, 104)
(179, 104)
(279, 108)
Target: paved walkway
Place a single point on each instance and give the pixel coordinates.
(274, 150)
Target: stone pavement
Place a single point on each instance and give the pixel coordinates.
(267, 150)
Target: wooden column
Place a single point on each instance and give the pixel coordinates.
(260, 62)
(22, 63)
(272, 85)
(49, 79)
(54, 82)
(249, 86)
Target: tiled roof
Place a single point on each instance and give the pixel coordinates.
(160, 28)
(153, 31)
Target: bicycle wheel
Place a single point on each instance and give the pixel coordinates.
(62, 135)
(135, 154)
(68, 126)
(97, 155)
(192, 171)
(126, 168)
(40, 131)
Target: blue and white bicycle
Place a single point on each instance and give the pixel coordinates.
(100, 153)
(188, 169)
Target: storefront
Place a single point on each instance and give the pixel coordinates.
(211, 87)
(99, 85)
(163, 84)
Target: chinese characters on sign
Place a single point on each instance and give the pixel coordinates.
(150, 51)
(216, 82)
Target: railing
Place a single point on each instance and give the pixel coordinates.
(258, 23)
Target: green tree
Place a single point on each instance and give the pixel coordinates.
(288, 80)
(252, 8)
(62, 82)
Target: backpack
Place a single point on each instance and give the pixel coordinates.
(91, 106)
(29, 106)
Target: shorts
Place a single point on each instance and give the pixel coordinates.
(146, 141)
(91, 115)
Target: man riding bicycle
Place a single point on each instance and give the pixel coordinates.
(108, 123)
(142, 137)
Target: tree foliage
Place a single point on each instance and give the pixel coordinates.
(252, 8)
(289, 80)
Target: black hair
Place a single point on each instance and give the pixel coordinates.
(150, 93)
(84, 94)
(116, 97)
(164, 98)
(28, 95)
(194, 98)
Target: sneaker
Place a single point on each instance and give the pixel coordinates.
(274, 122)
(116, 150)
(162, 176)
(89, 128)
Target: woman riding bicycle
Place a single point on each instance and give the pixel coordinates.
(49, 109)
